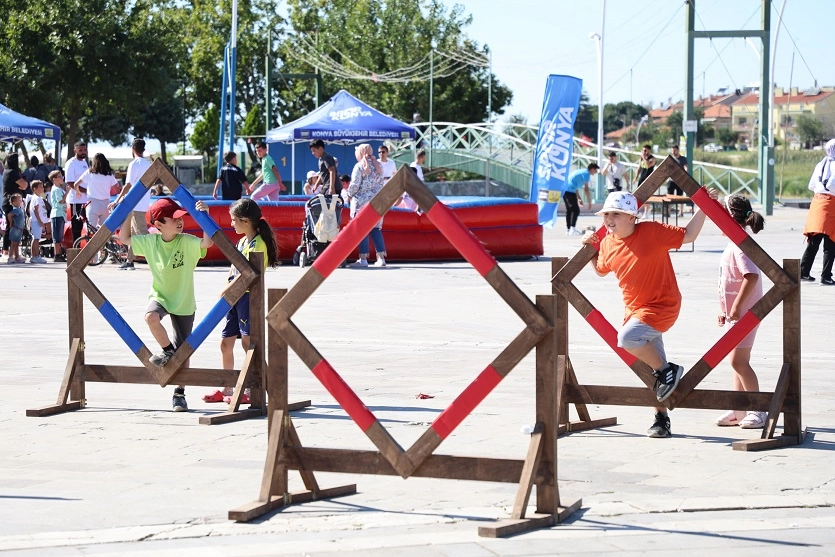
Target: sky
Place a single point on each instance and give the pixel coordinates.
(644, 47)
(539, 38)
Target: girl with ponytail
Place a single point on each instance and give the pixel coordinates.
(257, 237)
(740, 287)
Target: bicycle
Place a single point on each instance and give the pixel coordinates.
(113, 249)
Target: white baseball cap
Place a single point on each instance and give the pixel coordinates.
(620, 202)
(311, 174)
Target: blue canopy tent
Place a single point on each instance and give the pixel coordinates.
(15, 126)
(342, 119)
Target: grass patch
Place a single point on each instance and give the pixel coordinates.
(795, 172)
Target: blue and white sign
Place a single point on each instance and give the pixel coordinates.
(554, 144)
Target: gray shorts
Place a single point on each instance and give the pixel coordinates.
(182, 324)
(635, 333)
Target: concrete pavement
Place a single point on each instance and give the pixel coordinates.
(126, 476)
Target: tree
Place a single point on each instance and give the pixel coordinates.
(809, 129)
(726, 136)
(86, 66)
(621, 115)
(586, 122)
(206, 132)
(382, 37)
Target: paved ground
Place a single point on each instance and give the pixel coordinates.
(126, 476)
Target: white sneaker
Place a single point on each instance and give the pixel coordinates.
(360, 263)
(37, 259)
(381, 261)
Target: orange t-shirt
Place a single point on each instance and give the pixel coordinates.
(641, 262)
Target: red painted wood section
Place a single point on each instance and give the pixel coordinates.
(348, 238)
(466, 402)
(461, 237)
(343, 394)
(609, 334)
(720, 216)
(730, 339)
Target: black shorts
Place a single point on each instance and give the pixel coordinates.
(182, 324)
(673, 189)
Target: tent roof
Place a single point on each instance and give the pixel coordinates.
(14, 126)
(342, 118)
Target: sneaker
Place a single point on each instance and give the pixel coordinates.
(11, 261)
(178, 402)
(753, 420)
(381, 261)
(666, 380)
(161, 359)
(807, 278)
(20, 260)
(360, 263)
(827, 282)
(127, 266)
(660, 427)
(37, 259)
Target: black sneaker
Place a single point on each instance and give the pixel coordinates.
(127, 266)
(161, 359)
(827, 282)
(179, 400)
(666, 380)
(660, 427)
(807, 278)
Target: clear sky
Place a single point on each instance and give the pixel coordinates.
(531, 39)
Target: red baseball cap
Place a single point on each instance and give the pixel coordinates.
(165, 208)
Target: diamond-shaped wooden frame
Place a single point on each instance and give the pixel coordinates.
(233, 292)
(783, 287)
(536, 326)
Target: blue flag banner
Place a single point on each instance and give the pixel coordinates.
(554, 145)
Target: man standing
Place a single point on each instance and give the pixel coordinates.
(672, 187)
(136, 219)
(576, 180)
(646, 165)
(614, 173)
(327, 168)
(420, 160)
(389, 166)
(77, 197)
(271, 180)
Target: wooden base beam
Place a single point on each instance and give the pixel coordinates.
(572, 427)
(752, 445)
(253, 510)
(508, 527)
(55, 409)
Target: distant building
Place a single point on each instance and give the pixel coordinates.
(818, 103)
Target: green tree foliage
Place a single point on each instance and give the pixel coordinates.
(621, 115)
(206, 131)
(384, 36)
(726, 136)
(89, 67)
(809, 129)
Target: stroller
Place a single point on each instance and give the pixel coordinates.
(311, 247)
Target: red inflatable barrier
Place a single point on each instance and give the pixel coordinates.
(506, 227)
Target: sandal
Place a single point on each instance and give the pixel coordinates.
(216, 396)
(244, 399)
(753, 420)
(727, 419)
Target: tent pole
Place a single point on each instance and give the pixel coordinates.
(293, 168)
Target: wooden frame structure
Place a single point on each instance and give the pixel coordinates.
(785, 399)
(286, 452)
(72, 393)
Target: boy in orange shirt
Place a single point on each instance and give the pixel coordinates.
(638, 254)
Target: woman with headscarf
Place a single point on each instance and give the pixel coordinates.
(366, 181)
(820, 222)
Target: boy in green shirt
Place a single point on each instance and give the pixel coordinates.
(270, 178)
(172, 257)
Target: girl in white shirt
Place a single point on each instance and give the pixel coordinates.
(98, 180)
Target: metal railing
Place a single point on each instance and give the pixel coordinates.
(504, 152)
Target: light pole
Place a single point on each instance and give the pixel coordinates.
(599, 41)
(641, 122)
(431, 94)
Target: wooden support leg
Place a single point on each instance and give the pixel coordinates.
(234, 413)
(768, 441)
(63, 404)
(528, 470)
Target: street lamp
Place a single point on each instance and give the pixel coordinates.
(598, 38)
(641, 122)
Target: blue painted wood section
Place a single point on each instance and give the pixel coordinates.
(188, 201)
(121, 326)
(117, 217)
(199, 334)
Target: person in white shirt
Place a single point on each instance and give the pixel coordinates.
(389, 166)
(77, 197)
(38, 219)
(406, 200)
(614, 172)
(99, 181)
(136, 219)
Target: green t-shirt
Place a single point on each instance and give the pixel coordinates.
(267, 165)
(172, 268)
(59, 209)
